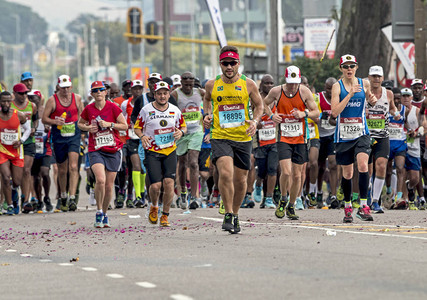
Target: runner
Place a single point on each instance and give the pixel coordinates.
(114, 91)
(327, 145)
(378, 122)
(11, 150)
(158, 126)
(226, 109)
(349, 97)
(29, 109)
(294, 103)
(62, 112)
(265, 152)
(188, 148)
(102, 119)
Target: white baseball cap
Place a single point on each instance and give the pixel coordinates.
(161, 85)
(293, 74)
(417, 81)
(348, 58)
(406, 91)
(136, 82)
(176, 79)
(64, 81)
(376, 70)
(155, 75)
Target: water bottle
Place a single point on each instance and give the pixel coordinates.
(98, 118)
(63, 116)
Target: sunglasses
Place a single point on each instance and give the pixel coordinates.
(348, 66)
(22, 93)
(229, 63)
(187, 78)
(98, 90)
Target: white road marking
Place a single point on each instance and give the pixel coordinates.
(145, 284)
(299, 225)
(45, 260)
(26, 255)
(89, 269)
(66, 264)
(10, 250)
(180, 297)
(115, 276)
(203, 266)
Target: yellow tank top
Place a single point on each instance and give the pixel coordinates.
(313, 130)
(230, 104)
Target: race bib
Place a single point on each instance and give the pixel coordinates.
(68, 129)
(164, 137)
(39, 143)
(267, 132)
(7, 138)
(351, 128)
(395, 131)
(104, 139)
(232, 115)
(376, 121)
(291, 128)
(324, 123)
(132, 134)
(311, 130)
(192, 115)
(122, 132)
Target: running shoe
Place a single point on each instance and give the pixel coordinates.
(411, 192)
(227, 223)
(138, 202)
(269, 203)
(280, 210)
(422, 204)
(215, 196)
(236, 224)
(5, 205)
(364, 213)
(72, 206)
(376, 208)
(98, 220)
(34, 202)
(319, 200)
(105, 222)
(313, 201)
(164, 221)
(183, 203)
(355, 204)
(262, 205)
(401, 204)
(258, 194)
(154, 215)
(58, 206)
(195, 203)
(298, 204)
(221, 207)
(204, 192)
(120, 201)
(247, 202)
(335, 203)
(10, 211)
(348, 218)
(64, 206)
(290, 212)
(129, 203)
(48, 204)
(277, 195)
(40, 206)
(412, 205)
(27, 207)
(340, 194)
(388, 201)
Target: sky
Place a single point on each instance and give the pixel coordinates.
(58, 13)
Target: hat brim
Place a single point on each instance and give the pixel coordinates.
(63, 85)
(293, 80)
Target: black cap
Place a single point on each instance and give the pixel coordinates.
(388, 84)
(126, 82)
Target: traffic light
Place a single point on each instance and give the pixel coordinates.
(152, 29)
(134, 24)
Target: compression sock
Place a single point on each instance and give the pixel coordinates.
(363, 187)
(143, 175)
(136, 179)
(346, 188)
(378, 187)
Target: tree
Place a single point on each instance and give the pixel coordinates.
(360, 33)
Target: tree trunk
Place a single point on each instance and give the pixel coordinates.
(360, 34)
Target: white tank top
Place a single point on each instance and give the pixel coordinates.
(413, 143)
(378, 117)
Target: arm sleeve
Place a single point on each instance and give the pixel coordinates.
(136, 109)
(26, 130)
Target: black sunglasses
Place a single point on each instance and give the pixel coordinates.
(348, 66)
(22, 93)
(98, 90)
(187, 78)
(229, 63)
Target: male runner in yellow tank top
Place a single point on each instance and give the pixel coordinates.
(226, 110)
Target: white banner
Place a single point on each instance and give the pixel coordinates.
(405, 52)
(317, 33)
(215, 13)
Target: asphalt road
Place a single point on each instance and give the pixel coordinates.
(61, 255)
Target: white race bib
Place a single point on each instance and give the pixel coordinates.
(132, 134)
(7, 138)
(268, 131)
(311, 130)
(104, 139)
(351, 128)
(291, 128)
(395, 131)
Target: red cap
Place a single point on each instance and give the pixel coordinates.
(20, 88)
(35, 92)
(229, 54)
(97, 85)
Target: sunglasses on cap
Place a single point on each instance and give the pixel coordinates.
(22, 93)
(229, 63)
(97, 90)
(187, 78)
(348, 66)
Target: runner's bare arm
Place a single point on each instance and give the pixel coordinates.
(50, 107)
(393, 108)
(272, 97)
(313, 110)
(207, 105)
(79, 103)
(22, 118)
(372, 99)
(121, 123)
(336, 106)
(256, 100)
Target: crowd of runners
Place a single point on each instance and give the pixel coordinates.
(224, 143)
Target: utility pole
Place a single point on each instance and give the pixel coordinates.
(273, 49)
(167, 64)
(420, 39)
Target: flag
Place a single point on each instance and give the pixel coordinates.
(215, 13)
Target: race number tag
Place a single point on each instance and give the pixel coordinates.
(351, 128)
(291, 127)
(375, 121)
(68, 129)
(396, 132)
(232, 115)
(39, 142)
(311, 130)
(132, 134)
(268, 131)
(104, 139)
(8, 136)
(192, 115)
(164, 137)
(324, 123)
(122, 132)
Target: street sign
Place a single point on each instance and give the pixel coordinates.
(134, 24)
(402, 20)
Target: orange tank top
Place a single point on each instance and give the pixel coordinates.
(292, 130)
(10, 131)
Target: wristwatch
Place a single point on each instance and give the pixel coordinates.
(306, 112)
(112, 125)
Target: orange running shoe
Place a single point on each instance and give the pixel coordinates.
(153, 216)
(164, 221)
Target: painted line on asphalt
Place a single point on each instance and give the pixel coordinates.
(45, 260)
(145, 284)
(89, 269)
(180, 297)
(326, 229)
(65, 264)
(26, 255)
(203, 266)
(115, 276)
(10, 250)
